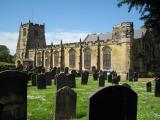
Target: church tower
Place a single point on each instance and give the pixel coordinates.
(31, 36)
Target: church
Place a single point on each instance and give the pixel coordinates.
(123, 50)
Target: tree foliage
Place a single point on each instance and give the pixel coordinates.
(5, 54)
(149, 9)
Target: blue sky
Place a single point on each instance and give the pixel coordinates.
(64, 19)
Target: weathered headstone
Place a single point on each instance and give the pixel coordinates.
(157, 87)
(13, 95)
(72, 80)
(48, 78)
(53, 71)
(95, 75)
(135, 76)
(148, 86)
(41, 83)
(126, 85)
(62, 80)
(58, 70)
(113, 103)
(84, 78)
(105, 74)
(33, 78)
(110, 78)
(66, 70)
(101, 80)
(65, 104)
(74, 72)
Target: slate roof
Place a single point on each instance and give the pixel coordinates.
(108, 36)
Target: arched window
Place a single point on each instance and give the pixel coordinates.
(106, 58)
(39, 59)
(47, 59)
(87, 58)
(72, 58)
(24, 31)
(56, 58)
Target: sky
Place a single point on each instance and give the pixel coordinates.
(68, 20)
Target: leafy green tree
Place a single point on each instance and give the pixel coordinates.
(5, 54)
(149, 9)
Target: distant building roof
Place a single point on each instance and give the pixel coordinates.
(106, 36)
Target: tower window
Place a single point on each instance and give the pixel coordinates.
(24, 32)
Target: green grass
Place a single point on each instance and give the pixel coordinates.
(41, 103)
(5, 63)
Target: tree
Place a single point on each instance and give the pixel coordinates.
(149, 9)
(5, 54)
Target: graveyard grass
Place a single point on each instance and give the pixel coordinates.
(41, 103)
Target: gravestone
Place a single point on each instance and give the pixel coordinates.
(110, 78)
(65, 108)
(84, 77)
(48, 78)
(157, 87)
(95, 74)
(13, 95)
(101, 80)
(135, 76)
(58, 70)
(33, 78)
(62, 80)
(72, 80)
(41, 83)
(113, 103)
(55, 79)
(105, 74)
(66, 69)
(148, 86)
(126, 85)
(53, 71)
(74, 72)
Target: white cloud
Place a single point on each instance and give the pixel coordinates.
(10, 38)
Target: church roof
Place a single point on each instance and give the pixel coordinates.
(107, 36)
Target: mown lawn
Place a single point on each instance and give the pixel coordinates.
(41, 103)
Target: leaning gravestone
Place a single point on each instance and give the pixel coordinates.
(62, 80)
(148, 86)
(48, 78)
(13, 95)
(72, 80)
(65, 104)
(41, 83)
(113, 103)
(157, 87)
(33, 78)
(84, 77)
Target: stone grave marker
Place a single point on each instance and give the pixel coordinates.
(110, 78)
(126, 85)
(62, 80)
(95, 75)
(72, 80)
(13, 95)
(113, 103)
(66, 70)
(33, 78)
(53, 71)
(41, 83)
(135, 76)
(105, 74)
(58, 70)
(48, 78)
(148, 86)
(84, 78)
(101, 79)
(74, 72)
(157, 87)
(65, 104)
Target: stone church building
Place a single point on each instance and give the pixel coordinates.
(123, 50)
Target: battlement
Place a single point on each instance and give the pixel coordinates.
(32, 24)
